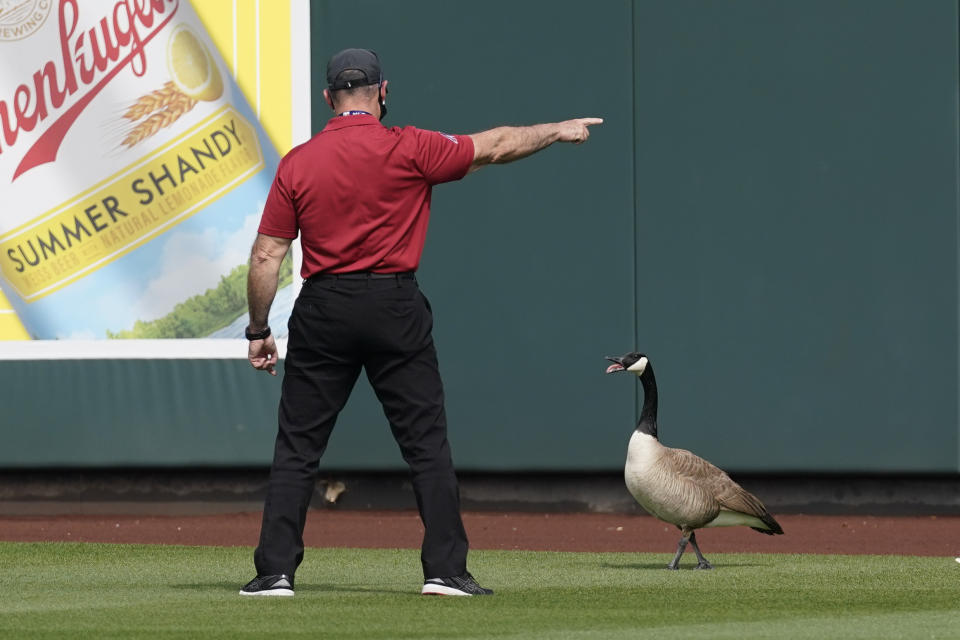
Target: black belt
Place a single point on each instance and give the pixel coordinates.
(361, 275)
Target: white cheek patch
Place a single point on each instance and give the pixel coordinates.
(638, 367)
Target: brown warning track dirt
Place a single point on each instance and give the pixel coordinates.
(923, 536)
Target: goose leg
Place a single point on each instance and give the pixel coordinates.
(702, 562)
(681, 547)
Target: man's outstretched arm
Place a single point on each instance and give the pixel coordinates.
(262, 280)
(506, 144)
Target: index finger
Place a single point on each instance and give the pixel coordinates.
(589, 121)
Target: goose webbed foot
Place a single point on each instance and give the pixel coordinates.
(701, 561)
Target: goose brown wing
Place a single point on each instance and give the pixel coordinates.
(736, 498)
(693, 467)
(696, 473)
(725, 491)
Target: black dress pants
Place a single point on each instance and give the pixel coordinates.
(338, 327)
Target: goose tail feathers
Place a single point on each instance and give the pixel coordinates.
(773, 527)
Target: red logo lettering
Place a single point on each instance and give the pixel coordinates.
(89, 61)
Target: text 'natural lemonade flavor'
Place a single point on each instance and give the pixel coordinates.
(132, 172)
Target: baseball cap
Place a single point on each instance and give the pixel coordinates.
(364, 61)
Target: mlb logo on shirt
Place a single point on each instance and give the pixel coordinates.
(449, 137)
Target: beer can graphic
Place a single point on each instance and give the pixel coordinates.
(132, 172)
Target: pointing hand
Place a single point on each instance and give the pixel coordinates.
(576, 130)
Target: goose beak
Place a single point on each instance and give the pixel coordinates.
(617, 364)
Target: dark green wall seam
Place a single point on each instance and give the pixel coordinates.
(636, 209)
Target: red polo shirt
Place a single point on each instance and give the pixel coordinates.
(359, 194)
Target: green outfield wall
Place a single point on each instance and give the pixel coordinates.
(770, 211)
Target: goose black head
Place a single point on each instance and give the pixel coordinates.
(639, 365)
(633, 362)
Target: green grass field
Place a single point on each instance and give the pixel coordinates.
(71, 590)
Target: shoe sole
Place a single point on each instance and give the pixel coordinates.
(269, 593)
(442, 590)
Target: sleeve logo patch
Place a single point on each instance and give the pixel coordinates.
(450, 138)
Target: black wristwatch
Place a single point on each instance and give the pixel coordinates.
(256, 335)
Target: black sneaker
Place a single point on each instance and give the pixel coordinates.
(281, 585)
(463, 585)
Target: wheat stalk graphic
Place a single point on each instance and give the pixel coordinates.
(154, 100)
(154, 111)
(195, 76)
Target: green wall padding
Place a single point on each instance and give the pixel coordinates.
(769, 211)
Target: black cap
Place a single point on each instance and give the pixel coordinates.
(364, 61)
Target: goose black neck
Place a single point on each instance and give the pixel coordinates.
(648, 415)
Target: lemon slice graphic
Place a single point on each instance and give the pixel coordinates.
(192, 67)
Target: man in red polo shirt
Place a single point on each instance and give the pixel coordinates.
(358, 196)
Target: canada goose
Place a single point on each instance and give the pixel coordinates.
(677, 486)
